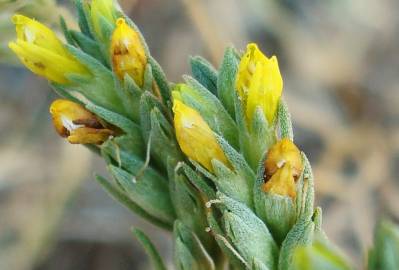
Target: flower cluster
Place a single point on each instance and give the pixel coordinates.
(211, 159)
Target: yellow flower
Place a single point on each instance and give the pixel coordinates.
(102, 9)
(42, 52)
(282, 182)
(77, 124)
(284, 151)
(259, 83)
(195, 137)
(127, 52)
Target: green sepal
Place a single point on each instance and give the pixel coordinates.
(88, 45)
(320, 255)
(127, 160)
(240, 174)
(204, 73)
(198, 97)
(133, 95)
(278, 212)
(234, 257)
(132, 144)
(198, 181)
(81, 8)
(227, 79)
(107, 28)
(305, 191)
(156, 127)
(261, 138)
(231, 183)
(384, 254)
(66, 32)
(113, 118)
(284, 121)
(64, 92)
(147, 103)
(189, 252)
(148, 192)
(148, 78)
(188, 203)
(258, 265)
(248, 233)
(119, 196)
(301, 234)
(162, 82)
(164, 147)
(152, 253)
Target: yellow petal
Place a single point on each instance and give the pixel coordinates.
(247, 68)
(259, 83)
(282, 182)
(45, 62)
(42, 52)
(31, 31)
(284, 151)
(127, 52)
(196, 139)
(86, 135)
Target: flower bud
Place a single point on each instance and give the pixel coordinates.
(259, 83)
(42, 52)
(78, 125)
(282, 152)
(127, 52)
(282, 182)
(196, 139)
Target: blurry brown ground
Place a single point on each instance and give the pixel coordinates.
(340, 63)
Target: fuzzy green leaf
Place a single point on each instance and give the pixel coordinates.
(150, 249)
(114, 118)
(161, 81)
(204, 73)
(226, 80)
(119, 196)
(248, 233)
(284, 120)
(150, 193)
(189, 251)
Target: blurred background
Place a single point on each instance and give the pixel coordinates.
(340, 63)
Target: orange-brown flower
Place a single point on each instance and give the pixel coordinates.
(282, 182)
(282, 152)
(78, 125)
(127, 52)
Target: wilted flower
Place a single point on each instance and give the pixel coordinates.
(42, 52)
(77, 124)
(282, 182)
(127, 52)
(284, 151)
(259, 83)
(195, 137)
